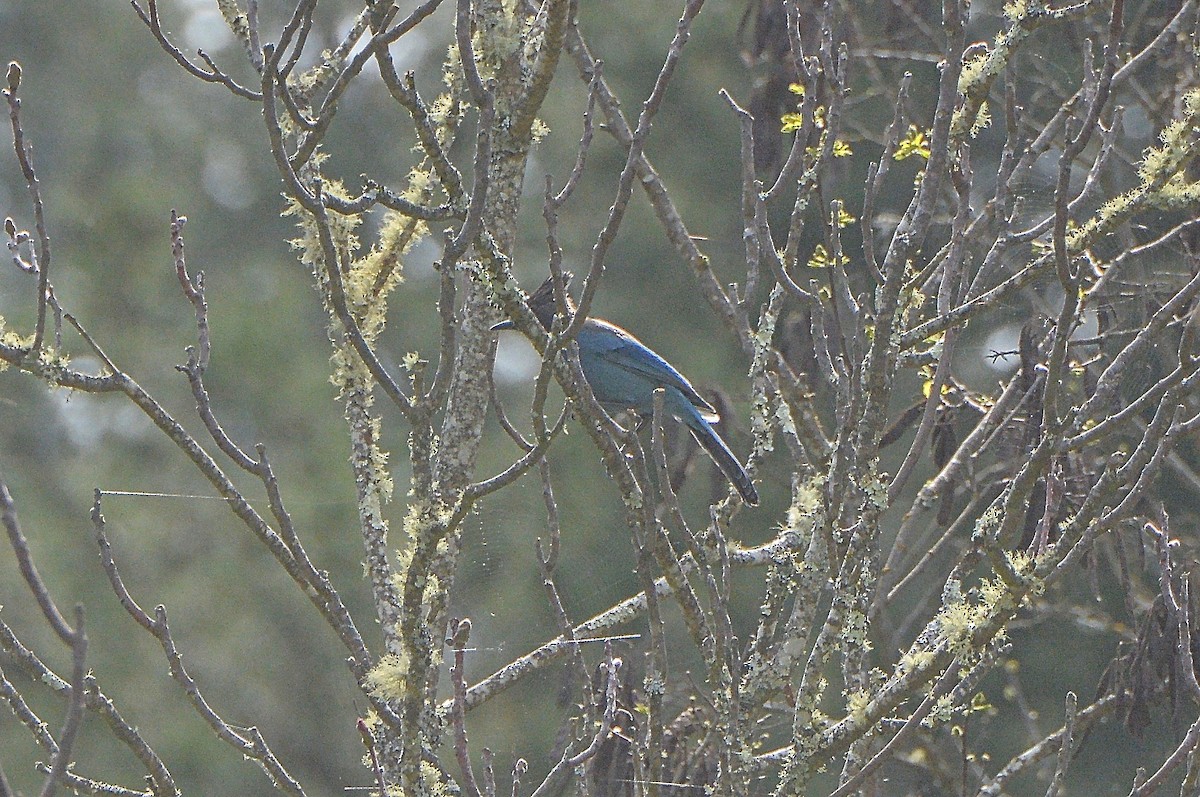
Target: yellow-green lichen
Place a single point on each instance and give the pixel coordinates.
(386, 680)
(857, 703)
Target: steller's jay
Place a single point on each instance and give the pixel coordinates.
(623, 374)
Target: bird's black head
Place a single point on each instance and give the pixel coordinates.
(542, 303)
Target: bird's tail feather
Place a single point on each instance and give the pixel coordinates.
(726, 461)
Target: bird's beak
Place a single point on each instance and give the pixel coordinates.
(503, 325)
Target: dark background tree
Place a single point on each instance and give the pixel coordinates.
(959, 357)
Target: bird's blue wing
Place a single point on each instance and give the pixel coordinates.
(624, 374)
(617, 348)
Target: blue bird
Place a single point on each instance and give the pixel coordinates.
(623, 373)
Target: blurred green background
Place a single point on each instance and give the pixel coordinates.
(122, 136)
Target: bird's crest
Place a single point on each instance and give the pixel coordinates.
(542, 302)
